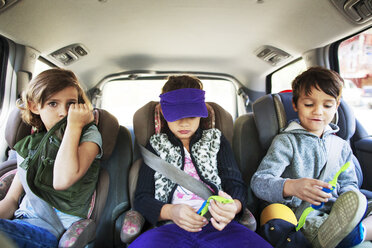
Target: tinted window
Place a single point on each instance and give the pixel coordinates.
(355, 62)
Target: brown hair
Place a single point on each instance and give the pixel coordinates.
(180, 82)
(176, 83)
(330, 82)
(42, 87)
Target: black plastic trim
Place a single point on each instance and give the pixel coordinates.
(4, 55)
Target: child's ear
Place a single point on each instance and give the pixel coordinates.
(33, 108)
(294, 105)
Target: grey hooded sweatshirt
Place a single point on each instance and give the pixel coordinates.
(296, 153)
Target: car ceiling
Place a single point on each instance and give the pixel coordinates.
(210, 35)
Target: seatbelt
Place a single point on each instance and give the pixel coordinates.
(334, 148)
(176, 175)
(43, 210)
(197, 187)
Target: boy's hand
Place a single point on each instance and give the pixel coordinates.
(79, 115)
(307, 189)
(187, 218)
(223, 213)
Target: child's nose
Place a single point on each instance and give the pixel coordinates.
(63, 111)
(184, 122)
(318, 109)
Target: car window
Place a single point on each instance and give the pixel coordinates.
(282, 79)
(140, 92)
(355, 63)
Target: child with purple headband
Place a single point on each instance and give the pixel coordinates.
(207, 156)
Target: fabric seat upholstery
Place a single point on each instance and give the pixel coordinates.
(144, 128)
(109, 127)
(254, 132)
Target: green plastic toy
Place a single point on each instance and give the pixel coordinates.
(312, 207)
(204, 207)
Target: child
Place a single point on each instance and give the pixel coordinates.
(207, 156)
(291, 170)
(59, 187)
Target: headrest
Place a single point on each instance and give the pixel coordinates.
(146, 121)
(107, 124)
(346, 121)
(16, 129)
(273, 112)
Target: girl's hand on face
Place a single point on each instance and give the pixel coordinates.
(222, 213)
(187, 218)
(307, 189)
(79, 115)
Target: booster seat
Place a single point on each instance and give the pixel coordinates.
(84, 231)
(254, 132)
(146, 122)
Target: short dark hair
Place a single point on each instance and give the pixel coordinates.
(181, 82)
(330, 82)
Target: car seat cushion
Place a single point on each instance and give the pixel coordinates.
(108, 126)
(16, 129)
(5, 182)
(286, 99)
(79, 233)
(132, 226)
(346, 121)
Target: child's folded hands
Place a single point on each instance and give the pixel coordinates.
(187, 218)
(223, 213)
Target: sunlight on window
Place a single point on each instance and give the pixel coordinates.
(123, 98)
(355, 61)
(282, 79)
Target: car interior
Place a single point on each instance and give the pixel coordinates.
(246, 53)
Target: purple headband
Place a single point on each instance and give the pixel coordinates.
(183, 103)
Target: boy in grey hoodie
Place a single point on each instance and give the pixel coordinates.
(293, 170)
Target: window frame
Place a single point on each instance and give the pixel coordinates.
(333, 50)
(95, 92)
(268, 80)
(334, 65)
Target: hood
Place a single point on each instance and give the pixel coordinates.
(295, 127)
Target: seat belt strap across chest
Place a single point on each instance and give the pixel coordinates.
(334, 149)
(176, 175)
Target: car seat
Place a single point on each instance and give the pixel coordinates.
(146, 122)
(254, 132)
(117, 165)
(84, 231)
